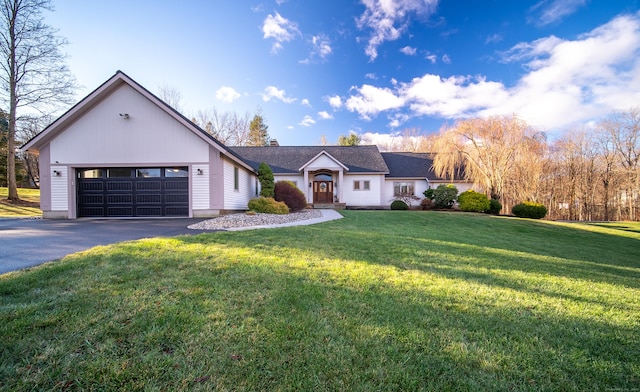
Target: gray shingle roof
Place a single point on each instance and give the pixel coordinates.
(289, 159)
(411, 165)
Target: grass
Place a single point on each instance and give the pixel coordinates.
(28, 206)
(380, 300)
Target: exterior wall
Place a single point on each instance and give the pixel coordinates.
(199, 187)
(362, 197)
(238, 199)
(298, 180)
(150, 136)
(419, 186)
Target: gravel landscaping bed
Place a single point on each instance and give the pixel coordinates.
(245, 220)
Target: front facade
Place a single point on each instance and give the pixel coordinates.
(123, 152)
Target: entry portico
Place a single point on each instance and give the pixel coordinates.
(324, 173)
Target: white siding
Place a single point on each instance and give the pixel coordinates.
(420, 185)
(200, 187)
(237, 199)
(363, 197)
(60, 189)
(149, 136)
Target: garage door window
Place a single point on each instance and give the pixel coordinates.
(90, 173)
(119, 172)
(148, 172)
(176, 172)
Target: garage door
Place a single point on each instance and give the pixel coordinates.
(133, 192)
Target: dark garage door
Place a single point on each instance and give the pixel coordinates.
(133, 192)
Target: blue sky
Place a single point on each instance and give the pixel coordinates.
(374, 67)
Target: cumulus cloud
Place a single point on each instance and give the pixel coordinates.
(305, 102)
(271, 92)
(408, 50)
(307, 121)
(549, 11)
(335, 101)
(324, 115)
(280, 29)
(388, 19)
(227, 94)
(567, 81)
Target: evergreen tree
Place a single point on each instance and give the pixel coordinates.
(267, 182)
(352, 140)
(258, 135)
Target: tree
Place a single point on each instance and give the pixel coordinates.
(258, 135)
(352, 140)
(171, 96)
(265, 176)
(229, 128)
(502, 155)
(33, 73)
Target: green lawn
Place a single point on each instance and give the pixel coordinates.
(380, 300)
(27, 207)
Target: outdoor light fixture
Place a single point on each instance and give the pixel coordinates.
(310, 185)
(199, 172)
(57, 173)
(124, 116)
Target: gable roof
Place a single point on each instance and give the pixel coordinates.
(412, 165)
(104, 90)
(326, 154)
(291, 159)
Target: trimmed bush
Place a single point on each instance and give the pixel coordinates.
(268, 205)
(529, 209)
(473, 201)
(429, 193)
(427, 204)
(265, 176)
(445, 195)
(399, 205)
(494, 206)
(289, 194)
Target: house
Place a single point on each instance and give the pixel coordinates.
(123, 152)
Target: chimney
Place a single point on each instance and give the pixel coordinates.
(274, 143)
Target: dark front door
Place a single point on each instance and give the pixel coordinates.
(323, 192)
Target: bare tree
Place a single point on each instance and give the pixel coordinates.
(502, 155)
(171, 96)
(229, 128)
(34, 76)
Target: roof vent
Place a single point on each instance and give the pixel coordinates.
(274, 143)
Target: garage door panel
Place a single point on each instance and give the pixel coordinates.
(103, 196)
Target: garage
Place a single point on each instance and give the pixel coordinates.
(133, 192)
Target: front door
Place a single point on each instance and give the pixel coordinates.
(323, 192)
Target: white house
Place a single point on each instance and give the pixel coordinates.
(123, 152)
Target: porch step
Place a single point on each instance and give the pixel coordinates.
(329, 206)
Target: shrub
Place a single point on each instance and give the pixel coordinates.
(445, 195)
(399, 205)
(429, 194)
(268, 205)
(265, 176)
(427, 204)
(289, 194)
(494, 206)
(529, 209)
(473, 201)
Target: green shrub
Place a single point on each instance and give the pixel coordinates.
(445, 195)
(399, 205)
(494, 206)
(427, 204)
(289, 194)
(268, 205)
(473, 201)
(529, 209)
(265, 176)
(429, 193)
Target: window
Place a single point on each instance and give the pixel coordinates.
(176, 172)
(361, 185)
(356, 185)
(236, 178)
(367, 185)
(402, 188)
(90, 173)
(119, 172)
(148, 172)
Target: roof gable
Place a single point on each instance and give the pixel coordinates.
(101, 93)
(293, 159)
(318, 157)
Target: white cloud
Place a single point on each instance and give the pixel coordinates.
(388, 19)
(280, 29)
(325, 115)
(567, 81)
(446, 59)
(227, 94)
(274, 92)
(432, 57)
(335, 101)
(493, 39)
(549, 11)
(307, 121)
(371, 76)
(305, 102)
(408, 50)
(321, 45)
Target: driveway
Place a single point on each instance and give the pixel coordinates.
(28, 242)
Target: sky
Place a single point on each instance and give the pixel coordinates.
(321, 69)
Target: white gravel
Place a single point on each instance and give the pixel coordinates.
(245, 221)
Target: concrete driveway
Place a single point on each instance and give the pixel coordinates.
(28, 242)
